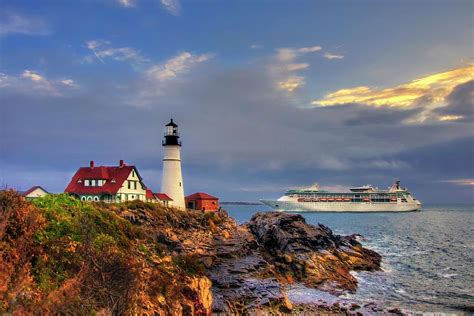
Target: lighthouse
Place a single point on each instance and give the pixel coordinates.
(172, 180)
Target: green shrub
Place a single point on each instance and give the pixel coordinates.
(103, 243)
(71, 228)
(190, 264)
(143, 248)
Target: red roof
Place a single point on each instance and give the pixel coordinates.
(149, 194)
(163, 197)
(114, 176)
(201, 196)
(158, 196)
(25, 193)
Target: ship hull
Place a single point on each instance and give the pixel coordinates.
(293, 206)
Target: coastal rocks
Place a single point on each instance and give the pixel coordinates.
(311, 254)
(253, 266)
(234, 274)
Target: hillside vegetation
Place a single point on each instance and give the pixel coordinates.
(59, 255)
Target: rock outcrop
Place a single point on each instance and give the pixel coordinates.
(59, 255)
(252, 267)
(311, 254)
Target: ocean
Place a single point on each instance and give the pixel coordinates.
(428, 256)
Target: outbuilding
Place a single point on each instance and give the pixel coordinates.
(33, 193)
(202, 201)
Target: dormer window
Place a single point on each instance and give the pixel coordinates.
(112, 181)
(79, 181)
(94, 182)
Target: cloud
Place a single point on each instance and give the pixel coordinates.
(69, 83)
(175, 66)
(434, 88)
(33, 76)
(460, 104)
(13, 23)
(330, 56)
(289, 54)
(283, 67)
(445, 118)
(463, 182)
(362, 115)
(126, 3)
(426, 93)
(172, 6)
(32, 82)
(292, 83)
(103, 49)
(256, 46)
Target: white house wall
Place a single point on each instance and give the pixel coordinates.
(133, 194)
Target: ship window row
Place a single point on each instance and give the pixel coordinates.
(352, 196)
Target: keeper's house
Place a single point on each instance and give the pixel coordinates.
(112, 184)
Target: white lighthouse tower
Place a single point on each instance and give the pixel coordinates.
(172, 180)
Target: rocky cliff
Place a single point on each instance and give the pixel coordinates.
(59, 255)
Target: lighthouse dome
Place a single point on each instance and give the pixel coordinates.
(171, 123)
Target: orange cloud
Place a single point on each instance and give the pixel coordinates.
(434, 88)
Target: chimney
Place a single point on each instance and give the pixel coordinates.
(91, 164)
(121, 163)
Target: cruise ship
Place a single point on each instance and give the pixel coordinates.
(360, 199)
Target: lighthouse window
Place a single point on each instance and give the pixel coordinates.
(180, 184)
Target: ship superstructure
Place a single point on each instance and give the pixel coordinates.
(360, 199)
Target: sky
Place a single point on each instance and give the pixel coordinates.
(268, 95)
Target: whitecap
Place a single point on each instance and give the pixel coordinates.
(401, 291)
(449, 275)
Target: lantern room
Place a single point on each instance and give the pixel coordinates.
(171, 135)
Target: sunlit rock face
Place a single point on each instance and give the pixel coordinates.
(255, 263)
(311, 254)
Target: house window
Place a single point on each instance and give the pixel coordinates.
(129, 185)
(86, 183)
(133, 173)
(96, 198)
(89, 198)
(135, 185)
(93, 183)
(83, 198)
